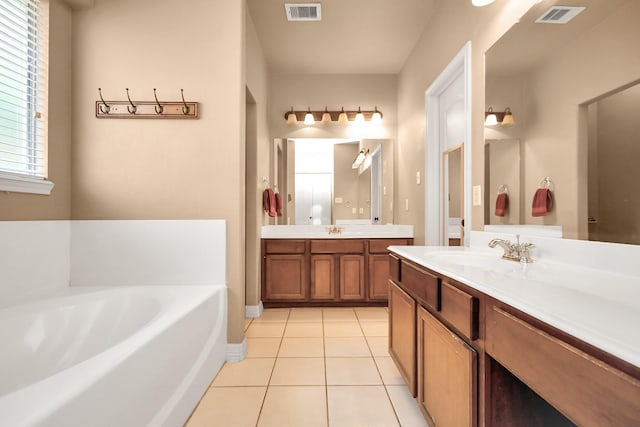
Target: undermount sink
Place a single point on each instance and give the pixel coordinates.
(489, 262)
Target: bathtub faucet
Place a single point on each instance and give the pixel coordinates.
(514, 251)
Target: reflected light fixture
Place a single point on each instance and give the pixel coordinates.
(490, 118)
(291, 117)
(308, 118)
(480, 3)
(359, 116)
(342, 118)
(508, 118)
(360, 158)
(326, 117)
(376, 117)
(493, 118)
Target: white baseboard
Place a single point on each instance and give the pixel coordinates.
(253, 310)
(237, 352)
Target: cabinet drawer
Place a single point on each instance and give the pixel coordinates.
(379, 246)
(460, 309)
(586, 390)
(337, 246)
(421, 285)
(284, 246)
(394, 268)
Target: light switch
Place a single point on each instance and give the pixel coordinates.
(338, 200)
(384, 190)
(353, 210)
(406, 204)
(361, 210)
(418, 178)
(477, 195)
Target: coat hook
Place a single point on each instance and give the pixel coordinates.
(159, 108)
(104, 107)
(130, 108)
(185, 107)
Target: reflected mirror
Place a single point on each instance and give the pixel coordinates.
(338, 181)
(573, 90)
(453, 193)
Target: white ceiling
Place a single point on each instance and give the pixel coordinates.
(354, 36)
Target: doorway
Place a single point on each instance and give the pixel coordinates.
(446, 129)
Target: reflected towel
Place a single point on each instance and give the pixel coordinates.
(269, 202)
(502, 203)
(278, 204)
(542, 202)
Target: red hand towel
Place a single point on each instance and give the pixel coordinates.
(272, 203)
(278, 204)
(542, 202)
(502, 202)
(265, 200)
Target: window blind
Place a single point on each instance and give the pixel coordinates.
(23, 87)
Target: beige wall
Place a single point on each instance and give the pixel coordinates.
(57, 206)
(259, 158)
(164, 169)
(454, 23)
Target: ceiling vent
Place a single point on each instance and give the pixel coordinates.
(303, 11)
(559, 15)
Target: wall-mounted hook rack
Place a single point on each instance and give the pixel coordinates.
(156, 109)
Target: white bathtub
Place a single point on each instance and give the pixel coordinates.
(120, 356)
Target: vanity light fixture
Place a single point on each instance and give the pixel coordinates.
(490, 118)
(480, 3)
(493, 118)
(360, 158)
(342, 118)
(326, 117)
(311, 117)
(376, 117)
(308, 118)
(291, 117)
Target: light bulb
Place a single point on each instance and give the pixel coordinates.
(490, 118)
(508, 118)
(308, 118)
(291, 117)
(359, 116)
(326, 117)
(342, 118)
(377, 116)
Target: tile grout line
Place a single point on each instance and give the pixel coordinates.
(326, 380)
(275, 360)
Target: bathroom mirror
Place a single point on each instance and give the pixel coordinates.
(560, 81)
(322, 186)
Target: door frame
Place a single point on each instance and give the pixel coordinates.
(459, 65)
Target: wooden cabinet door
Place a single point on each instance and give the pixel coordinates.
(447, 375)
(378, 277)
(323, 273)
(351, 277)
(286, 277)
(402, 334)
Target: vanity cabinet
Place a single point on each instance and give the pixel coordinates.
(285, 265)
(299, 272)
(447, 377)
(473, 360)
(402, 334)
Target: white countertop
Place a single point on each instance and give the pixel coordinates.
(601, 308)
(348, 231)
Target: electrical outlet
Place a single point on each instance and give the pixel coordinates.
(361, 210)
(353, 210)
(338, 200)
(384, 190)
(477, 195)
(418, 178)
(406, 204)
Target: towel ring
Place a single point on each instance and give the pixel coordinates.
(503, 189)
(546, 183)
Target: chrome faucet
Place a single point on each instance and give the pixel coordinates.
(514, 251)
(334, 229)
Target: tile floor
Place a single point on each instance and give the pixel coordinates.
(311, 367)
